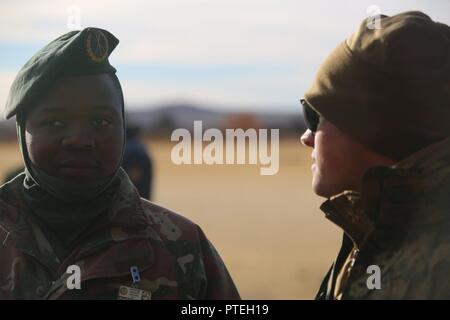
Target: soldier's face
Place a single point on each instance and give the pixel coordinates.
(339, 162)
(76, 131)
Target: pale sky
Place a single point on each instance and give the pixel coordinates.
(241, 54)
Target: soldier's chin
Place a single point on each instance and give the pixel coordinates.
(321, 188)
(78, 174)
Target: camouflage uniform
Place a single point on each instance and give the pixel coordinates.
(401, 223)
(139, 166)
(174, 257)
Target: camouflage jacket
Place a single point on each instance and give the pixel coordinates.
(400, 222)
(174, 258)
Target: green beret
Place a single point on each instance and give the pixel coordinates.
(74, 53)
(389, 87)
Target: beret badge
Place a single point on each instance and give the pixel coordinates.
(97, 47)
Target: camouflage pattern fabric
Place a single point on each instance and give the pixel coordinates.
(173, 255)
(399, 222)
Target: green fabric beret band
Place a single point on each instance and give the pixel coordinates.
(74, 53)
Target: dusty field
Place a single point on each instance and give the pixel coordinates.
(268, 229)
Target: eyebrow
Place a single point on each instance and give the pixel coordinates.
(103, 107)
(48, 109)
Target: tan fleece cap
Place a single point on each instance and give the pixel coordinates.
(389, 88)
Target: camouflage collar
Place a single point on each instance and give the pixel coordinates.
(126, 208)
(428, 161)
(125, 219)
(386, 190)
(347, 212)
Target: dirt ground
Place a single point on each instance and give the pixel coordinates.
(269, 231)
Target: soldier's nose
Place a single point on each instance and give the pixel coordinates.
(78, 141)
(307, 139)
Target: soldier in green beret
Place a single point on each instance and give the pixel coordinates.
(378, 115)
(72, 226)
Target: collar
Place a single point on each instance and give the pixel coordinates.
(125, 219)
(385, 190)
(346, 211)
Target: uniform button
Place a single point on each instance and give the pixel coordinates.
(40, 291)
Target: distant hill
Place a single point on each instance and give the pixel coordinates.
(170, 117)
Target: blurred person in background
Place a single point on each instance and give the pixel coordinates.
(378, 115)
(137, 162)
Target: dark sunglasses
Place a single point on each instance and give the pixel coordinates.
(311, 117)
